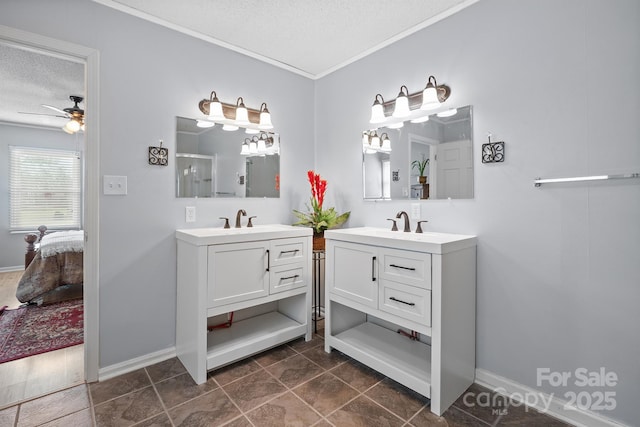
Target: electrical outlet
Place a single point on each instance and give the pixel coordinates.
(190, 214)
(415, 211)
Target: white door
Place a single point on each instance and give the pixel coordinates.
(454, 166)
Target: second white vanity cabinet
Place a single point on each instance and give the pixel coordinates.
(261, 274)
(380, 282)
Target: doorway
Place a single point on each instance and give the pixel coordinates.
(90, 57)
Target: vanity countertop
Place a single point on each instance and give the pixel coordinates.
(433, 242)
(215, 235)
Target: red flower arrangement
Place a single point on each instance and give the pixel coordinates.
(318, 218)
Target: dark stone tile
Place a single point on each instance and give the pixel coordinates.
(235, 371)
(325, 393)
(295, 370)
(80, 418)
(161, 420)
(521, 415)
(301, 345)
(211, 409)
(286, 410)
(426, 418)
(324, 359)
(254, 390)
(166, 369)
(239, 422)
(482, 403)
(177, 390)
(123, 384)
(457, 418)
(274, 355)
(52, 406)
(128, 409)
(363, 412)
(397, 398)
(357, 375)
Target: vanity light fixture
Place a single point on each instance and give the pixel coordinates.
(253, 146)
(242, 114)
(245, 147)
(229, 128)
(205, 124)
(265, 118)
(215, 107)
(434, 95)
(375, 140)
(402, 103)
(377, 110)
(409, 105)
(236, 115)
(385, 145)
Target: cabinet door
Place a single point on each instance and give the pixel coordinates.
(237, 272)
(352, 271)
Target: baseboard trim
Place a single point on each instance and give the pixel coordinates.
(514, 390)
(11, 269)
(139, 362)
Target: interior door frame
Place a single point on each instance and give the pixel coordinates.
(91, 58)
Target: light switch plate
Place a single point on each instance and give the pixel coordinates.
(114, 185)
(190, 214)
(415, 211)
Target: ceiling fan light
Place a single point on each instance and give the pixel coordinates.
(72, 126)
(402, 103)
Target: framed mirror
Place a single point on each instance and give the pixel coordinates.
(427, 158)
(212, 162)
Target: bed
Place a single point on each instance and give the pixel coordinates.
(54, 272)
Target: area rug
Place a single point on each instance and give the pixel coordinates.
(31, 330)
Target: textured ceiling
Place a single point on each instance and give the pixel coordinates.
(308, 37)
(311, 37)
(29, 79)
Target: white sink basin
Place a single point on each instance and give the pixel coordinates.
(438, 243)
(214, 236)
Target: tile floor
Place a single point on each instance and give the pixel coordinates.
(296, 384)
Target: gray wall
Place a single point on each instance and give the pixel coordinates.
(148, 76)
(12, 245)
(558, 266)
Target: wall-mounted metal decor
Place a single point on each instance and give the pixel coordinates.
(493, 152)
(159, 155)
(395, 175)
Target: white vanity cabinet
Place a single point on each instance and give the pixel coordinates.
(379, 282)
(261, 274)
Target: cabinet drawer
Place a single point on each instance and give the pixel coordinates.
(410, 268)
(287, 277)
(287, 251)
(406, 301)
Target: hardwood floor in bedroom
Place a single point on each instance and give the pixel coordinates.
(34, 376)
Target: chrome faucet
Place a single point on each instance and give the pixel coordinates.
(407, 226)
(240, 212)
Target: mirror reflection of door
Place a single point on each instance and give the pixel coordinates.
(196, 177)
(377, 180)
(454, 175)
(262, 176)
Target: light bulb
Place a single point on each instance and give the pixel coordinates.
(204, 124)
(228, 127)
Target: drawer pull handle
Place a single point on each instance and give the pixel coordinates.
(288, 252)
(373, 269)
(404, 268)
(403, 302)
(290, 277)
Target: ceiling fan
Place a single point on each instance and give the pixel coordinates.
(75, 115)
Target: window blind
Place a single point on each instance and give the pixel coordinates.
(45, 187)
